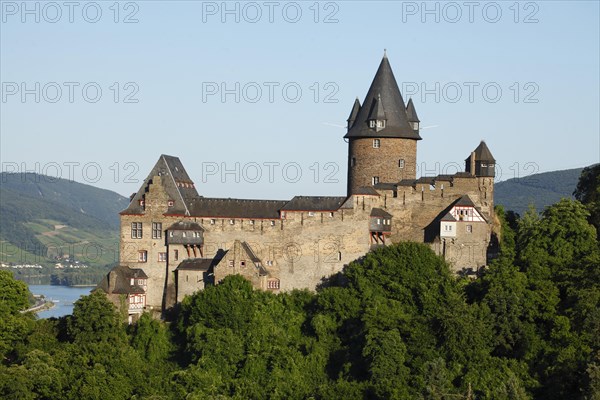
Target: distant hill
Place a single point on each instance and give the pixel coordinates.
(44, 217)
(541, 190)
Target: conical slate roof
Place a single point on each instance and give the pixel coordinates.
(397, 125)
(353, 113)
(411, 113)
(483, 153)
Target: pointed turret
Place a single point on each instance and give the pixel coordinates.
(412, 116)
(481, 162)
(353, 113)
(377, 116)
(385, 94)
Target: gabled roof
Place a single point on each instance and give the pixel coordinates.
(314, 203)
(465, 201)
(236, 208)
(411, 113)
(185, 226)
(380, 213)
(353, 113)
(175, 181)
(397, 125)
(482, 153)
(448, 217)
(122, 276)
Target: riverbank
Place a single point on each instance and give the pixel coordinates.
(41, 305)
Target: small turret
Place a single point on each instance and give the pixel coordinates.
(481, 162)
(377, 115)
(412, 116)
(353, 113)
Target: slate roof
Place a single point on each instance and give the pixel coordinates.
(366, 191)
(174, 180)
(448, 217)
(185, 226)
(385, 186)
(353, 113)
(196, 264)
(411, 112)
(465, 201)
(397, 126)
(426, 179)
(236, 208)
(482, 153)
(380, 213)
(123, 275)
(407, 182)
(314, 203)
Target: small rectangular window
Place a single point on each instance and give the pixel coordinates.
(231, 263)
(231, 221)
(212, 221)
(353, 162)
(272, 223)
(311, 214)
(375, 180)
(176, 255)
(156, 230)
(251, 222)
(162, 257)
(376, 143)
(469, 228)
(401, 163)
(143, 256)
(136, 230)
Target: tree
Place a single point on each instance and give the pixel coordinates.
(588, 192)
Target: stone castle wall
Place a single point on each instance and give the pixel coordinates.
(302, 248)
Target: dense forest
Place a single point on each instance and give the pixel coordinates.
(395, 324)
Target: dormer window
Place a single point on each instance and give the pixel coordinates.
(380, 124)
(415, 125)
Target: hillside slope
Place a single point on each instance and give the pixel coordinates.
(46, 220)
(541, 190)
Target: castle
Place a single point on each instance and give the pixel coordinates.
(174, 241)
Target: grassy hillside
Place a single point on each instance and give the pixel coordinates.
(541, 190)
(45, 220)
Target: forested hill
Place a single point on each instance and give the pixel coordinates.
(541, 190)
(101, 204)
(43, 217)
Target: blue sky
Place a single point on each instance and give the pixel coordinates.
(522, 76)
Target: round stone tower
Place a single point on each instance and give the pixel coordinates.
(382, 135)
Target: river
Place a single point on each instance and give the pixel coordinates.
(64, 297)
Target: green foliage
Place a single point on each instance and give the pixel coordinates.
(14, 298)
(396, 324)
(588, 192)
